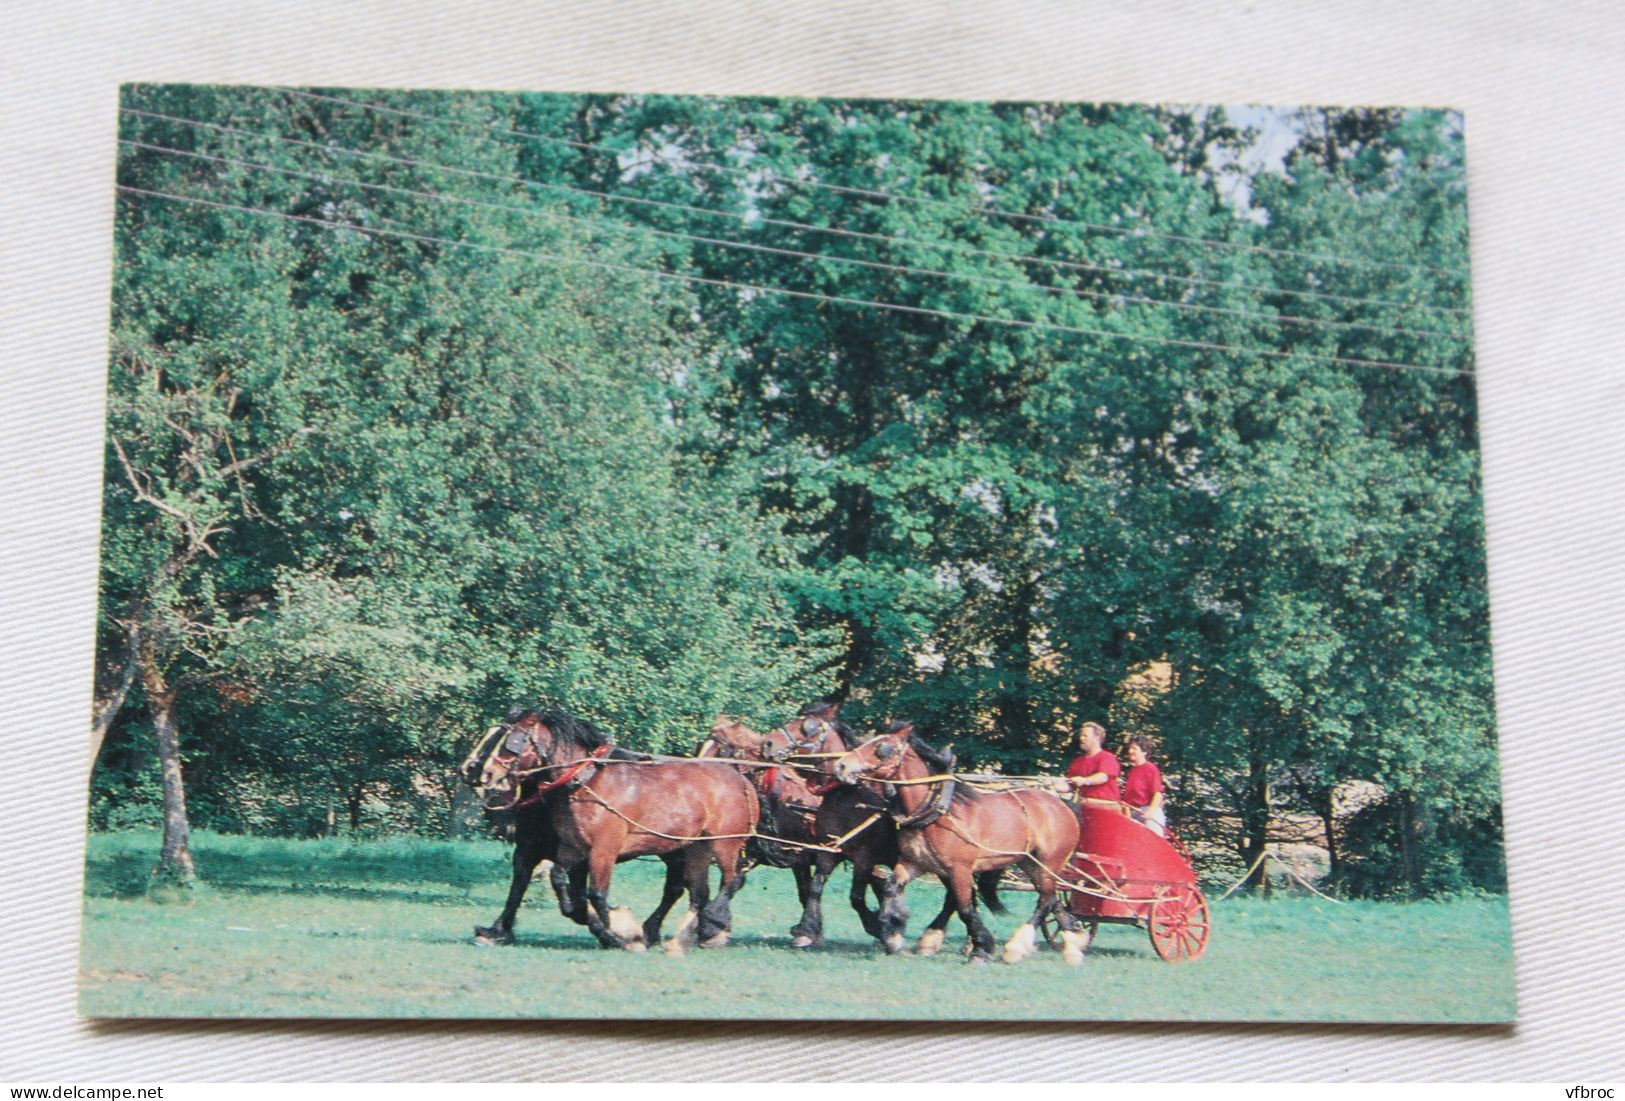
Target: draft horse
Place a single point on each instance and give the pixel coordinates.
(957, 834)
(531, 820)
(806, 810)
(605, 808)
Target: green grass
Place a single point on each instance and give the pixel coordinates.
(383, 929)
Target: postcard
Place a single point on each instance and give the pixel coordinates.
(644, 556)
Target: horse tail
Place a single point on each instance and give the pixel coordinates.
(987, 885)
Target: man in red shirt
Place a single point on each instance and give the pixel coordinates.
(1142, 790)
(1093, 773)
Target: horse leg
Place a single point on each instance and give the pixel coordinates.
(613, 928)
(716, 918)
(812, 915)
(1075, 937)
(570, 888)
(894, 911)
(673, 891)
(962, 890)
(697, 871)
(863, 881)
(526, 856)
(1022, 943)
(930, 942)
(803, 873)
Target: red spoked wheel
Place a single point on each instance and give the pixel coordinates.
(1179, 924)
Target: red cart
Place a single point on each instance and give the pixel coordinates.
(1124, 873)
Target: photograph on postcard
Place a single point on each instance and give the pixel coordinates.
(648, 556)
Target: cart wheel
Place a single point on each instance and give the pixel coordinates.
(1179, 925)
(1051, 926)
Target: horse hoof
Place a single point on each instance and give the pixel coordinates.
(716, 940)
(930, 943)
(1020, 946)
(635, 946)
(623, 926)
(894, 944)
(803, 941)
(684, 938)
(976, 959)
(491, 938)
(1073, 947)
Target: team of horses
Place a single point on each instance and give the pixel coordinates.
(807, 795)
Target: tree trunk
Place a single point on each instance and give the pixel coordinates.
(353, 799)
(1255, 820)
(1017, 728)
(1326, 808)
(860, 630)
(175, 858)
(112, 687)
(1410, 865)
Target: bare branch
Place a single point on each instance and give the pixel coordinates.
(266, 455)
(142, 493)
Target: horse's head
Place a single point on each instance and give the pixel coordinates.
(730, 737)
(507, 754)
(879, 758)
(474, 765)
(813, 732)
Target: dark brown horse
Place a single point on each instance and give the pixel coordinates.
(535, 840)
(605, 809)
(958, 834)
(523, 804)
(798, 807)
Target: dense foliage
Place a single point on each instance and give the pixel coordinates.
(421, 404)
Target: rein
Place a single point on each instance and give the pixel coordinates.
(571, 771)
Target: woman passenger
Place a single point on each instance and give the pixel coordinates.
(1142, 789)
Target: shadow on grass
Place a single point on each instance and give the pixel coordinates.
(400, 893)
(120, 866)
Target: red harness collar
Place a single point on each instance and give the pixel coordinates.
(822, 787)
(561, 779)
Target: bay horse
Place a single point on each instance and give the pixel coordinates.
(807, 810)
(606, 808)
(529, 816)
(816, 810)
(957, 834)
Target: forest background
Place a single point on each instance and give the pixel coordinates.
(422, 404)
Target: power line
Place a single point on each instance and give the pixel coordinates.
(1115, 298)
(636, 200)
(872, 193)
(810, 295)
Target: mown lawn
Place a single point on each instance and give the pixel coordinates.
(383, 929)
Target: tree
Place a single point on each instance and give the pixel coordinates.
(477, 494)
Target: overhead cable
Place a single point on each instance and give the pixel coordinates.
(887, 196)
(750, 220)
(622, 227)
(756, 289)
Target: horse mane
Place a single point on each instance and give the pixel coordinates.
(940, 760)
(566, 727)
